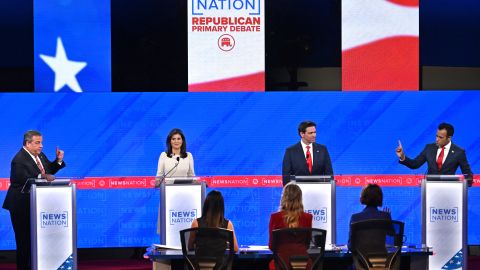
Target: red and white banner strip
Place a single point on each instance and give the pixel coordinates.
(380, 45)
(244, 181)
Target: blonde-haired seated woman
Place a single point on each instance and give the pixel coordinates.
(290, 215)
(212, 217)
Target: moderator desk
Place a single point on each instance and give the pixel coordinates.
(414, 258)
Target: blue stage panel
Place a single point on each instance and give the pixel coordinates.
(123, 134)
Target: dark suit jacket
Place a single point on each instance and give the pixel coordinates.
(277, 222)
(369, 212)
(455, 158)
(294, 162)
(22, 168)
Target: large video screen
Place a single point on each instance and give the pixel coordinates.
(72, 48)
(380, 45)
(112, 143)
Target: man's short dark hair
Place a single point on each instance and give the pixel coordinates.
(302, 128)
(372, 195)
(447, 127)
(28, 136)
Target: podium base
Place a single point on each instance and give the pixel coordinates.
(162, 265)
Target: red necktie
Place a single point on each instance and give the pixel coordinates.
(440, 159)
(39, 164)
(309, 159)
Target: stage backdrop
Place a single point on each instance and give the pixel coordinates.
(116, 139)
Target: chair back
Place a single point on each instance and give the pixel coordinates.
(208, 248)
(398, 227)
(376, 243)
(298, 248)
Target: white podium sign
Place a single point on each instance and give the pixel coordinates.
(53, 227)
(319, 200)
(180, 205)
(444, 223)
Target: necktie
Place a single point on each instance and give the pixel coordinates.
(440, 159)
(309, 159)
(39, 164)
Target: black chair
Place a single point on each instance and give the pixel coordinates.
(398, 227)
(298, 248)
(208, 248)
(376, 244)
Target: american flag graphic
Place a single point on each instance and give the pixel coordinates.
(380, 45)
(456, 262)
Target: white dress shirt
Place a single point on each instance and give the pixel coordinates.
(445, 153)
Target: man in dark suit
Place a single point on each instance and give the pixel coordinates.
(306, 157)
(442, 157)
(29, 162)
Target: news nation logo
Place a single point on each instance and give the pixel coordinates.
(186, 216)
(443, 214)
(319, 215)
(59, 219)
(200, 7)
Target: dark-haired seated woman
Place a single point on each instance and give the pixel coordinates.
(212, 217)
(372, 198)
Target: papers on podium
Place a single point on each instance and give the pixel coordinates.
(166, 247)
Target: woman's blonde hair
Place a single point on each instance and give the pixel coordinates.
(291, 204)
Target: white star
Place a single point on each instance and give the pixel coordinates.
(65, 70)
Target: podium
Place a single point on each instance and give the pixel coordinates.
(53, 224)
(319, 199)
(181, 201)
(444, 220)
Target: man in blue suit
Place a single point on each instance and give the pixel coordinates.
(306, 157)
(442, 157)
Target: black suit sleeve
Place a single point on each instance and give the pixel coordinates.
(465, 166)
(416, 162)
(20, 172)
(53, 166)
(286, 167)
(328, 163)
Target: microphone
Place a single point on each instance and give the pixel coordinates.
(162, 178)
(28, 184)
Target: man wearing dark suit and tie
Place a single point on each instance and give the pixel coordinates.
(29, 162)
(442, 157)
(306, 157)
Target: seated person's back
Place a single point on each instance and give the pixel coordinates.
(291, 215)
(212, 217)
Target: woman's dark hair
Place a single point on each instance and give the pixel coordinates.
(372, 195)
(213, 209)
(183, 148)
